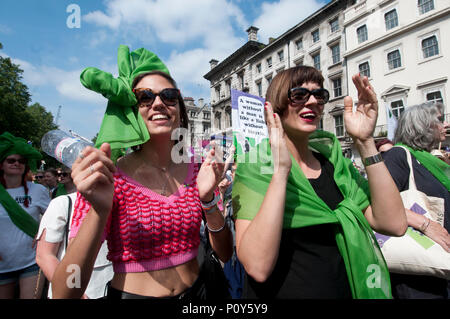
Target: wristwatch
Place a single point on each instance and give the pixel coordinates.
(372, 159)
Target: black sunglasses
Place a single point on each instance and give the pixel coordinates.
(39, 176)
(301, 95)
(63, 174)
(22, 161)
(146, 97)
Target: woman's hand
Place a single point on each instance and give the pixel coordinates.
(92, 174)
(361, 124)
(439, 234)
(280, 153)
(210, 175)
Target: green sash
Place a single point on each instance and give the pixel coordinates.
(366, 268)
(60, 190)
(434, 165)
(24, 221)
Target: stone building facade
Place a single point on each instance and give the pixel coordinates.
(199, 125)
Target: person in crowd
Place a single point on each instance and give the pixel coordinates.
(38, 178)
(149, 206)
(420, 128)
(21, 205)
(65, 182)
(52, 241)
(384, 145)
(304, 215)
(51, 180)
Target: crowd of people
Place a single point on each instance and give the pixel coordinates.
(297, 223)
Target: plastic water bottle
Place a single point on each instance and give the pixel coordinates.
(64, 147)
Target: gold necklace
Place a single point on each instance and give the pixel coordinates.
(164, 170)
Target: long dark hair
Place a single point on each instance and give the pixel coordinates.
(183, 113)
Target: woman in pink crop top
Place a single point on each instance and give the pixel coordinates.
(148, 207)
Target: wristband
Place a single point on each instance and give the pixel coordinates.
(211, 203)
(216, 230)
(211, 210)
(372, 159)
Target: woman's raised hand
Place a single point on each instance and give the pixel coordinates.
(361, 123)
(280, 153)
(211, 174)
(92, 174)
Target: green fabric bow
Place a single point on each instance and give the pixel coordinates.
(9, 144)
(437, 167)
(122, 126)
(366, 268)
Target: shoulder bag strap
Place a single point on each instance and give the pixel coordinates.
(69, 212)
(412, 182)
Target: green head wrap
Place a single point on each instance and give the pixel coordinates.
(122, 126)
(9, 144)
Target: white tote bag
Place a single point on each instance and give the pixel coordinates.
(415, 253)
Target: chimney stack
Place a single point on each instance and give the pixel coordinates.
(200, 102)
(252, 33)
(213, 63)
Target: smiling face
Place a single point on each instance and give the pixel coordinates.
(159, 117)
(303, 118)
(13, 165)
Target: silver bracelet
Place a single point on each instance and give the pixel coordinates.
(211, 203)
(216, 230)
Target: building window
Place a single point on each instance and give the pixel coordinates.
(241, 80)
(336, 53)
(218, 121)
(394, 59)
(391, 19)
(281, 55)
(206, 115)
(269, 79)
(339, 125)
(269, 62)
(218, 93)
(430, 47)
(206, 128)
(228, 87)
(320, 127)
(425, 6)
(193, 115)
(259, 88)
(362, 33)
(397, 108)
(334, 25)
(435, 96)
(316, 61)
(364, 69)
(337, 87)
(258, 68)
(299, 44)
(315, 36)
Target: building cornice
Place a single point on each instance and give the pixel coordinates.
(286, 36)
(242, 51)
(397, 32)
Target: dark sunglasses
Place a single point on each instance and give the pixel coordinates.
(63, 174)
(301, 95)
(22, 161)
(146, 97)
(38, 177)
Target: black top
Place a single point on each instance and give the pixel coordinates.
(414, 286)
(309, 264)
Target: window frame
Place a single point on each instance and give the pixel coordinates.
(313, 33)
(366, 33)
(315, 62)
(332, 30)
(333, 55)
(436, 45)
(395, 19)
(399, 58)
(421, 6)
(340, 126)
(368, 64)
(339, 88)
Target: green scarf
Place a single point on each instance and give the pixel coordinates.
(434, 165)
(366, 268)
(122, 125)
(60, 190)
(9, 144)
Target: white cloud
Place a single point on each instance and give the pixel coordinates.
(278, 17)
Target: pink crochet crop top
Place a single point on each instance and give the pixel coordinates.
(147, 231)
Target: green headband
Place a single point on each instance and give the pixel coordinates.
(9, 144)
(122, 125)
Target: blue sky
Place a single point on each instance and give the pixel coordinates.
(185, 34)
